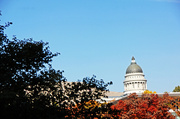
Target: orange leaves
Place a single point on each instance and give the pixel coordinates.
(91, 105)
(90, 108)
(152, 109)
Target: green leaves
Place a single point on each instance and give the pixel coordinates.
(177, 89)
(27, 80)
(31, 88)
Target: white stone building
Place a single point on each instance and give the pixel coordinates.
(134, 79)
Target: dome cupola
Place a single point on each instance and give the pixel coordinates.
(133, 67)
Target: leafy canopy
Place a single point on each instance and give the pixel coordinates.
(176, 89)
(29, 86)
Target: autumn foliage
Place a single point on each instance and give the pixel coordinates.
(149, 106)
(149, 92)
(88, 109)
(172, 102)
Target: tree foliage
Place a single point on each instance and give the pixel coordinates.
(176, 89)
(31, 88)
(82, 96)
(90, 109)
(149, 92)
(26, 73)
(88, 89)
(149, 106)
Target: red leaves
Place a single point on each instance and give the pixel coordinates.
(152, 109)
(147, 106)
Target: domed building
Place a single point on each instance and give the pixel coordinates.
(134, 79)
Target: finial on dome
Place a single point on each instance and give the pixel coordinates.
(133, 60)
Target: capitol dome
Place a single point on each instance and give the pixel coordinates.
(133, 67)
(134, 79)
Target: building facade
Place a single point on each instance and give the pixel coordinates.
(134, 79)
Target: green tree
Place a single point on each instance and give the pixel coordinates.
(31, 88)
(176, 89)
(27, 79)
(79, 93)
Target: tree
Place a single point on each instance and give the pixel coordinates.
(82, 93)
(31, 88)
(177, 89)
(149, 106)
(27, 79)
(149, 92)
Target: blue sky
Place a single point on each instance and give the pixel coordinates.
(99, 37)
